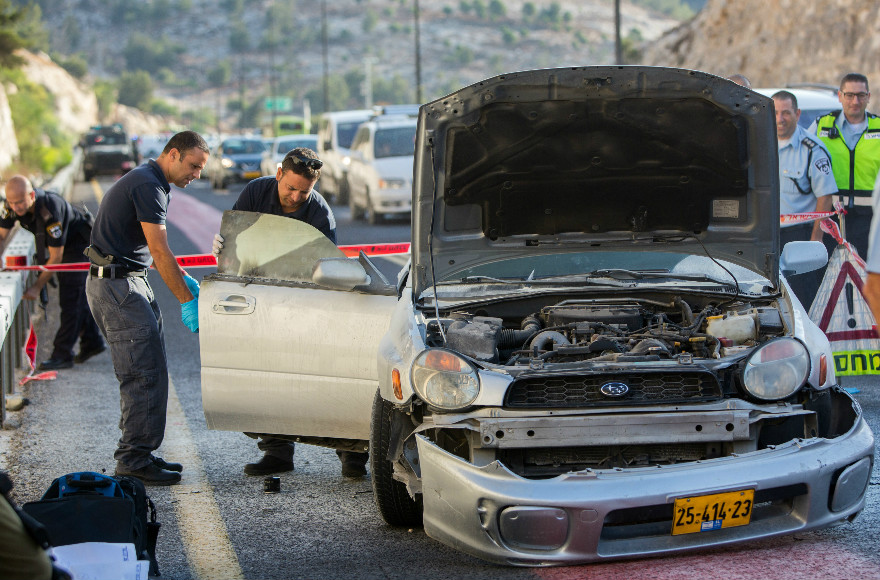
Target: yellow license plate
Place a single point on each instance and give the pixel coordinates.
(251, 174)
(704, 513)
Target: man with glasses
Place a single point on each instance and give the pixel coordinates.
(852, 136)
(806, 184)
(290, 193)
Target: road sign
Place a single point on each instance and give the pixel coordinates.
(278, 103)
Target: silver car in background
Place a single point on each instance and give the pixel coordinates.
(380, 174)
(593, 352)
(279, 147)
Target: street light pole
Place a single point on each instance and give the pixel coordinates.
(618, 47)
(418, 58)
(325, 56)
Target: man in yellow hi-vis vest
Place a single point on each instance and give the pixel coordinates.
(852, 136)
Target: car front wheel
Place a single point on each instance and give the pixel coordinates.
(395, 505)
(356, 212)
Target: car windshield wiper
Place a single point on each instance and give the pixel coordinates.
(568, 280)
(622, 274)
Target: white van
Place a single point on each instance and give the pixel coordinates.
(336, 131)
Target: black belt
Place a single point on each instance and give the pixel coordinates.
(114, 271)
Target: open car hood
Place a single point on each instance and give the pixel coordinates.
(606, 158)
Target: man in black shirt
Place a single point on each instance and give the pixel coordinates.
(61, 233)
(290, 193)
(128, 237)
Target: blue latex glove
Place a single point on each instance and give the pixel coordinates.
(189, 313)
(192, 284)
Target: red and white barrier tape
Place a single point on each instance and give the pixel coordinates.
(202, 260)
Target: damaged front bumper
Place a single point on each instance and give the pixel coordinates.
(594, 515)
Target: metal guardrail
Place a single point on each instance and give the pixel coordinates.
(15, 314)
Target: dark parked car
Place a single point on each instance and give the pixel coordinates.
(107, 150)
(235, 159)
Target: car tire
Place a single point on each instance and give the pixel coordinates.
(342, 191)
(356, 212)
(88, 175)
(373, 217)
(395, 505)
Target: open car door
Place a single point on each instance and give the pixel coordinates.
(286, 349)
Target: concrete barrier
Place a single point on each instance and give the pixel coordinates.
(15, 313)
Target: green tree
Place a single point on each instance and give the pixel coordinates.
(74, 64)
(135, 90)
(508, 35)
(497, 10)
(479, 9)
(371, 19)
(10, 37)
(105, 93)
(219, 75)
(529, 10)
(465, 7)
(239, 37)
(42, 145)
(31, 29)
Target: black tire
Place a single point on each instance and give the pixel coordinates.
(356, 212)
(88, 175)
(373, 217)
(342, 191)
(395, 505)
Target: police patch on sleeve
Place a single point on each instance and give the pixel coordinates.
(54, 230)
(823, 164)
(4, 211)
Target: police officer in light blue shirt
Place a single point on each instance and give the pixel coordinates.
(806, 184)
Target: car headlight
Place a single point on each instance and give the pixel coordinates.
(444, 379)
(777, 369)
(227, 162)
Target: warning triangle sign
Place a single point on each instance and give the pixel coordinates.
(841, 311)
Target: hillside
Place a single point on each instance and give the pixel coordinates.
(217, 54)
(797, 42)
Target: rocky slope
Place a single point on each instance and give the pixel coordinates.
(776, 42)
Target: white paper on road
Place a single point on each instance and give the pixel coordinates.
(101, 560)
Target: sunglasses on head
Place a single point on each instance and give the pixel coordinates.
(307, 161)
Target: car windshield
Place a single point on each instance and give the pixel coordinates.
(346, 131)
(395, 142)
(106, 139)
(287, 145)
(239, 146)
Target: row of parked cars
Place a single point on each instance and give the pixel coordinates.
(367, 154)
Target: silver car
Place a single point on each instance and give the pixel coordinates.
(592, 353)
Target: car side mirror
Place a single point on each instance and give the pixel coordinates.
(348, 274)
(802, 256)
(339, 274)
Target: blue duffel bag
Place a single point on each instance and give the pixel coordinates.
(92, 507)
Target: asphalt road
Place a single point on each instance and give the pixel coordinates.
(220, 524)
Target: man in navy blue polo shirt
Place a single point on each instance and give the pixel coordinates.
(128, 237)
(61, 233)
(290, 193)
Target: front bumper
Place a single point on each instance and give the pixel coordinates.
(396, 201)
(596, 515)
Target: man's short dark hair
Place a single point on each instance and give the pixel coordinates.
(291, 162)
(786, 95)
(854, 78)
(184, 141)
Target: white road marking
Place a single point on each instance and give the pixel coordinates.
(205, 539)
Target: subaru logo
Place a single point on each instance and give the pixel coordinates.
(614, 389)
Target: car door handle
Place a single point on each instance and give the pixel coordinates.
(235, 304)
